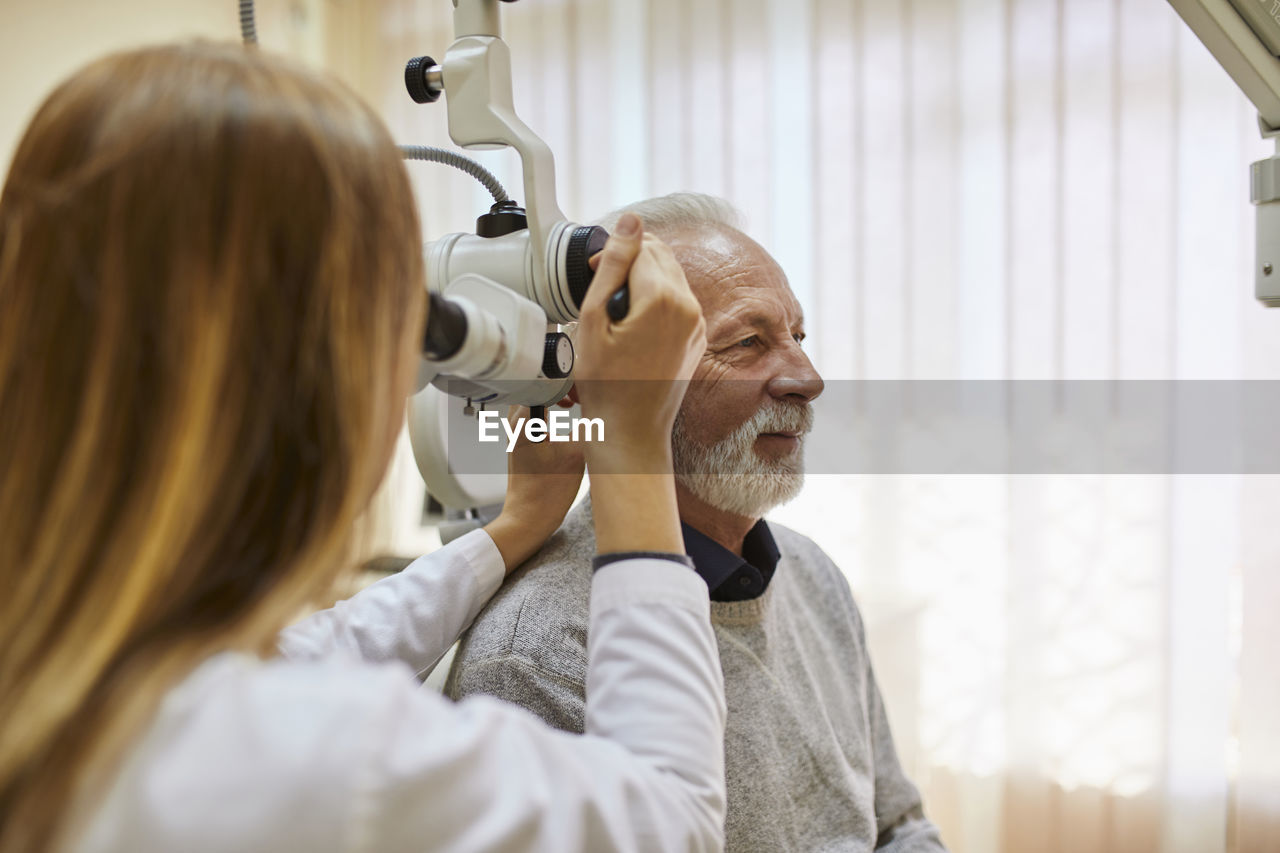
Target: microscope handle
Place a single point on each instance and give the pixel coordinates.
(619, 304)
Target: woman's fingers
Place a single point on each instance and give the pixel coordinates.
(614, 264)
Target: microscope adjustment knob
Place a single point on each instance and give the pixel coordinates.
(416, 73)
(584, 242)
(557, 358)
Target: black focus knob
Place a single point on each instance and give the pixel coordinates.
(557, 358)
(584, 242)
(415, 80)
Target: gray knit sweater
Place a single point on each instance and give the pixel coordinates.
(809, 759)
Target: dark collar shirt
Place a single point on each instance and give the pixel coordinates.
(728, 576)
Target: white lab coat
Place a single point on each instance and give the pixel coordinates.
(335, 746)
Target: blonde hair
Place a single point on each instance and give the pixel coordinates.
(211, 277)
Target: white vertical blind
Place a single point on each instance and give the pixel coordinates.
(981, 189)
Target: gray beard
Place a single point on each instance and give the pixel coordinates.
(730, 476)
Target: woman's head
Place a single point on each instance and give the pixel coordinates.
(210, 288)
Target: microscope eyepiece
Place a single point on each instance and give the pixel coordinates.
(446, 330)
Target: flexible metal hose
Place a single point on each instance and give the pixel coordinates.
(248, 30)
(457, 161)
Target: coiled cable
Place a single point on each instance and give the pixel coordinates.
(457, 161)
(248, 29)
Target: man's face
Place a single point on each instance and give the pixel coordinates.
(739, 436)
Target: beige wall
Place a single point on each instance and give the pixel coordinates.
(43, 41)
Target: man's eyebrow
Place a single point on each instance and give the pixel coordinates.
(754, 320)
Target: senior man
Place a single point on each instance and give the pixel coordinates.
(810, 762)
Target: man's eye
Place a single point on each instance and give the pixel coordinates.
(799, 336)
(748, 342)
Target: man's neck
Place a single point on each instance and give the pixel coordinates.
(724, 528)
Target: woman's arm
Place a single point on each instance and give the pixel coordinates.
(647, 775)
(413, 616)
(417, 614)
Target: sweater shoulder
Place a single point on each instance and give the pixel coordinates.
(815, 574)
(811, 561)
(539, 616)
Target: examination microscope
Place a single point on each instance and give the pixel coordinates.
(499, 298)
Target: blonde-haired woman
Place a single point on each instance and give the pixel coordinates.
(211, 298)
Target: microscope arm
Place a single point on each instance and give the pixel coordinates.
(477, 82)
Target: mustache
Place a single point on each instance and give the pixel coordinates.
(771, 417)
(782, 418)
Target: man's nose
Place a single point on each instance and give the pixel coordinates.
(797, 379)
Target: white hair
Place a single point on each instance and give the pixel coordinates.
(666, 215)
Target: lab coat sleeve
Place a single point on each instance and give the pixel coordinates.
(648, 774)
(413, 616)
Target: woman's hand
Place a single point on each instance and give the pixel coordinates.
(542, 481)
(632, 374)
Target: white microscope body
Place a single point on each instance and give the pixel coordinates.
(496, 338)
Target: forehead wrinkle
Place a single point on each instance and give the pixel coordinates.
(710, 249)
(747, 308)
(708, 266)
(718, 261)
